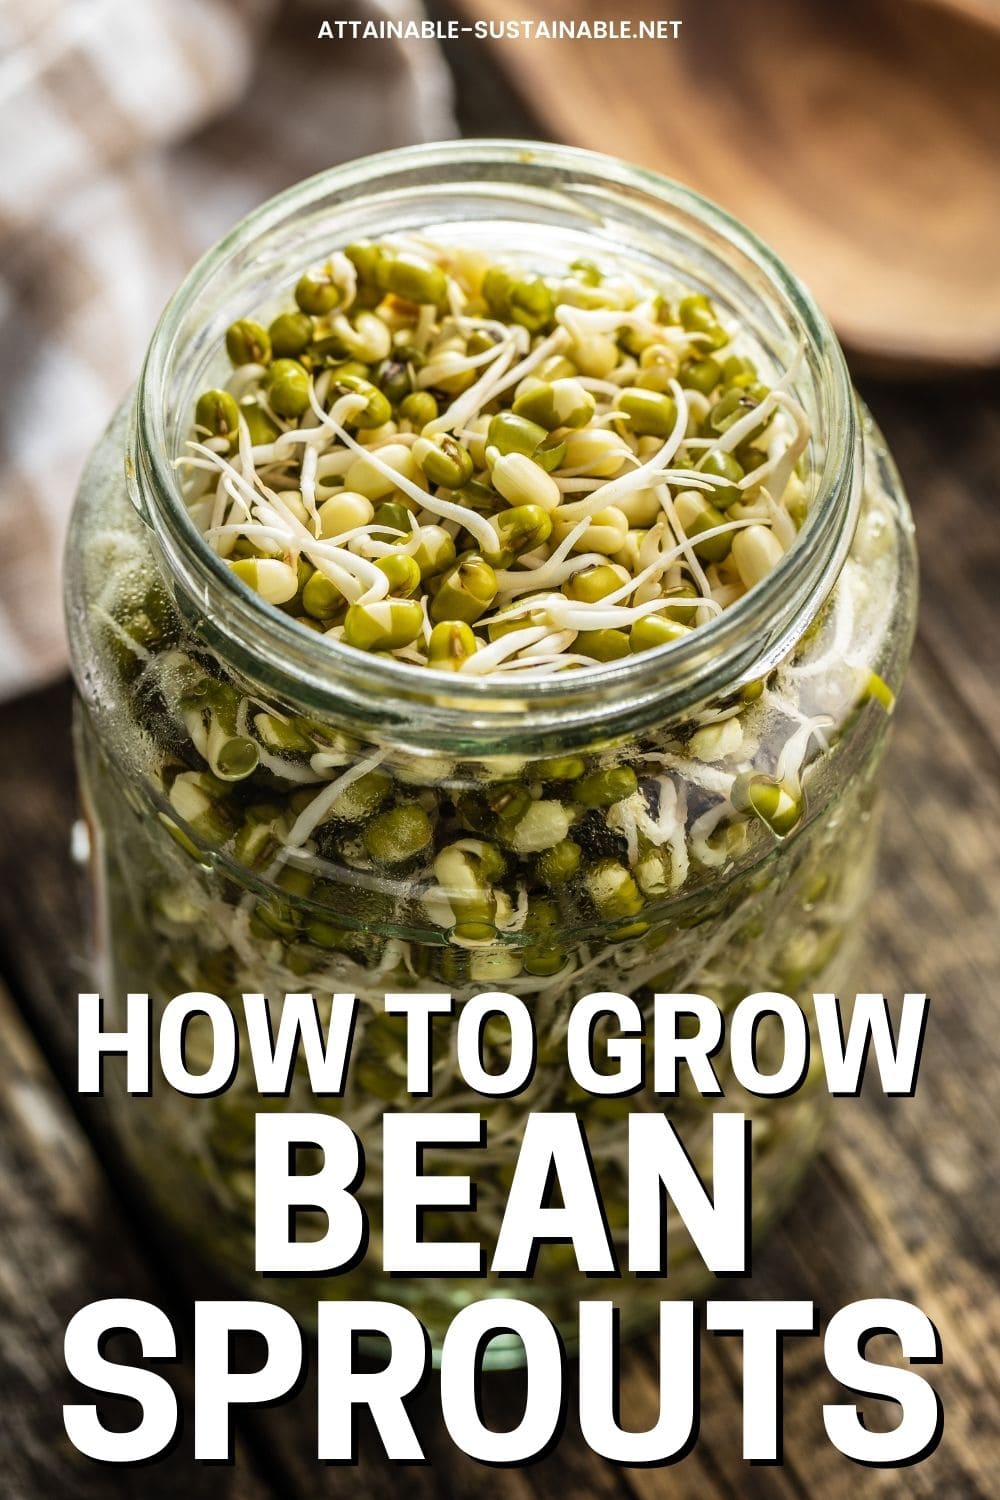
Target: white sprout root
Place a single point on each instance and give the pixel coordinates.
(267, 496)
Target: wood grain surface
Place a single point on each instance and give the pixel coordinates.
(66, 1241)
(861, 140)
(903, 1202)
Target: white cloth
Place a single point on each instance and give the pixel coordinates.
(132, 134)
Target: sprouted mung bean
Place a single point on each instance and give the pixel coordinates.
(480, 470)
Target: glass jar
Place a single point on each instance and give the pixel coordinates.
(211, 726)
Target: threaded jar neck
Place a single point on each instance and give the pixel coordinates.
(553, 201)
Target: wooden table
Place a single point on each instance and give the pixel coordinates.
(903, 1203)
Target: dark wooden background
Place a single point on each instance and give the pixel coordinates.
(903, 1202)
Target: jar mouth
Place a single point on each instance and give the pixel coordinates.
(559, 190)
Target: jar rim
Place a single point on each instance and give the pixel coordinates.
(444, 711)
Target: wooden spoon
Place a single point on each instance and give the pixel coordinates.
(861, 140)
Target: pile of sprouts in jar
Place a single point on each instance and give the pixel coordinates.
(484, 470)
